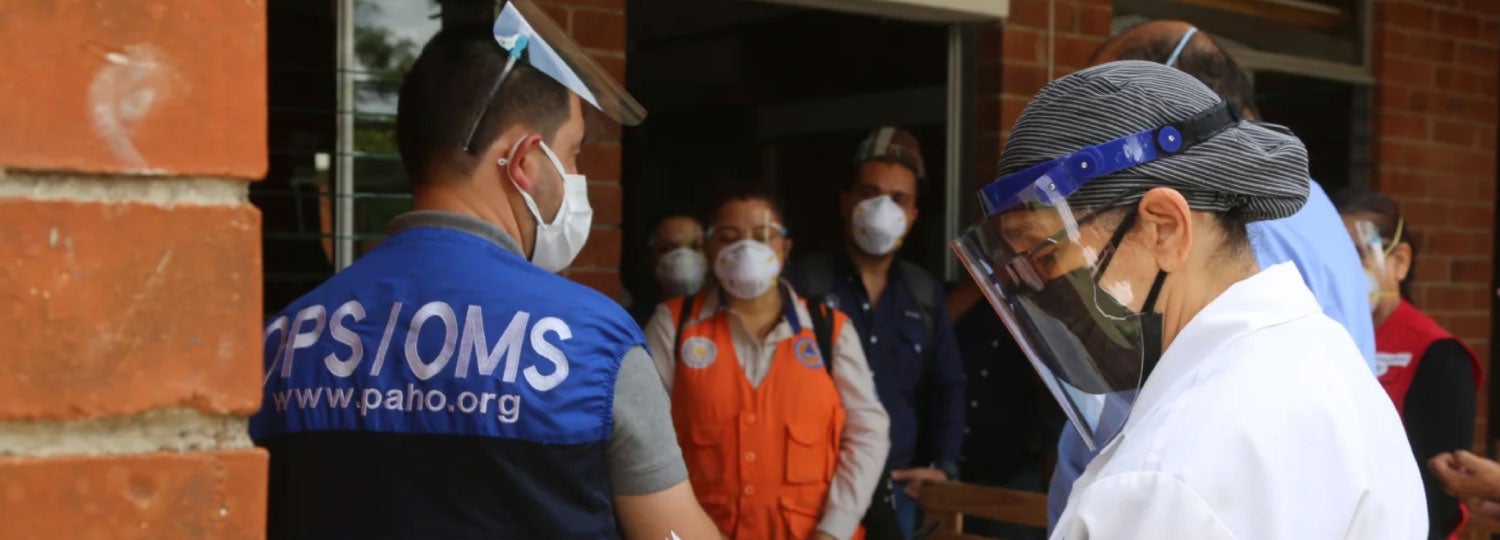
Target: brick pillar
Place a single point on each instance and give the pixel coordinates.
(130, 270)
(599, 25)
(1013, 59)
(1435, 119)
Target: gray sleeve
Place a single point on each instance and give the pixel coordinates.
(865, 442)
(661, 338)
(643, 453)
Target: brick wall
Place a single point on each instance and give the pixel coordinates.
(1013, 59)
(130, 271)
(599, 25)
(1435, 118)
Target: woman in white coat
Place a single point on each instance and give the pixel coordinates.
(1226, 404)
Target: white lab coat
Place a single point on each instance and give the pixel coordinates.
(1260, 422)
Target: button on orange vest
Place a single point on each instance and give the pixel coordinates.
(761, 458)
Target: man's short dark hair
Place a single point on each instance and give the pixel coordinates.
(446, 88)
(1203, 58)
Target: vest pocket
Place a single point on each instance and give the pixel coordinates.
(807, 454)
(719, 509)
(706, 457)
(801, 522)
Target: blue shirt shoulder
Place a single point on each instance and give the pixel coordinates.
(439, 331)
(1316, 241)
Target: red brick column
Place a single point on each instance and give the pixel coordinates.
(599, 25)
(1013, 59)
(130, 269)
(1435, 118)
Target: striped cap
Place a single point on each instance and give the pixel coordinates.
(1261, 169)
(893, 144)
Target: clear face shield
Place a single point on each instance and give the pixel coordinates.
(1375, 252)
(528, 35)
(1046, 269)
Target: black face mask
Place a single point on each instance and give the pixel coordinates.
(1121, 347)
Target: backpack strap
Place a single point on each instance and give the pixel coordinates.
(822, 326)
(814, 277)
(925, 288)
(682, 319)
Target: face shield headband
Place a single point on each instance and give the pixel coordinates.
(1070, 172)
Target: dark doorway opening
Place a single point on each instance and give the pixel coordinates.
(1330, 118)
(782, 94)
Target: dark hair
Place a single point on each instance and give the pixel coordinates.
(446, 88)
(1236, 232)
(1203, 58)
(744, 189)
(1386, 217)
(662, 218)
(853, 176)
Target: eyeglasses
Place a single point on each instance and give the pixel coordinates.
(1035, 266)
(760, 233)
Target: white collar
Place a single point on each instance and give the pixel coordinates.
(1273, 296)
(710, 296)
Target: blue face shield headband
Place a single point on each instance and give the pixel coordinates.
(1068, 173)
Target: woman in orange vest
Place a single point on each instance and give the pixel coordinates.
(1429, 374)
(779, 441)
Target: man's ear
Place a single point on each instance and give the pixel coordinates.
(518, 164)
(1165, 218)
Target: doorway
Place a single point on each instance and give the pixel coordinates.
(782, 94)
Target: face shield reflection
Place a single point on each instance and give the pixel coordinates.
(1375, 252)
(1040, 266)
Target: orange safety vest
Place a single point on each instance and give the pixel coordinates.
(761, 458)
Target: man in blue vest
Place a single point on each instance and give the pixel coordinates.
(449, 384)
(1328, 263)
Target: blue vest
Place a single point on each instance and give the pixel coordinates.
(442, 387)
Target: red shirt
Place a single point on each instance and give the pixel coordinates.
(1401, 342)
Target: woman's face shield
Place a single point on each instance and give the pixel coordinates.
(1046, 272)
(1375, 252)
(1046, 269)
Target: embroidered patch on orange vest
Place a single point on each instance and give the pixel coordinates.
(699, 352)
(807, 353)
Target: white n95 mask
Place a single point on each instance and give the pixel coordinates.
(747, 268)
(878, 224)
(557, 243)
(680, 271)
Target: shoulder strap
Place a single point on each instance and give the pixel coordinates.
(816, 277)
(925, 288)
(682, 319)
(822, 325)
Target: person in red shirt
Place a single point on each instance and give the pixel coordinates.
(1431, 377)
